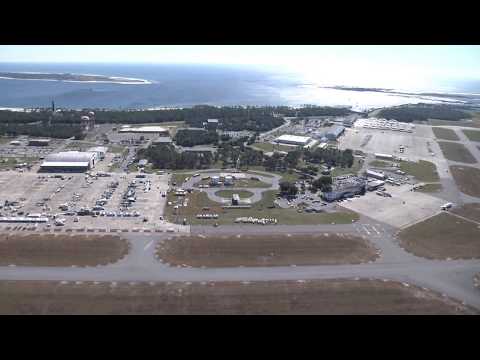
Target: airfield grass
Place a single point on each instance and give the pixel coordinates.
(266, 250)
(470, 211)
(473, 123)
(335, 296)
(456, 152)
(442, 236)
(467, 179)
(445, 134)
(472, 135)
(422, 170)
(244, 194)
(60, 250)
(198, 200)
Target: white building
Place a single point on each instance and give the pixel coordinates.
(293, 140)
(144, 130)
(375, 175)
(69, 161)
(99, 150)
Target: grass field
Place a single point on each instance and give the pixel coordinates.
(246, 183)
(260, 297)
(470, 211)
(473, 123)
(357, 164)
(266, 250)
(179, 178)
(79, 145)
(467, 179)
(10, 162)
(424, 171)
(268, 147)
(442, 236)
(379, 164)
(61, 250)
(115, 149)
(445, 134)
(456, 152)
(198, 200)
(244, 194)
(472, 135)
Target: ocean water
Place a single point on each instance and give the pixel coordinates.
(187, 85)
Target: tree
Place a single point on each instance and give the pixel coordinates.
(324, 183)
(288, 189)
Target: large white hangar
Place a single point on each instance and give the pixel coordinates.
(144, 130)
(69, 161)
(293, 140)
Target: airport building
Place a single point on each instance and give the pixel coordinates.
(144, 130)
(343, 187)
(293, 140)
(38, 142)
(334, 132)
(375, 175)
(69, 161)
(384, 156)
(99, 150)
(162, 140)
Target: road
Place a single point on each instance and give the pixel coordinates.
(453, 278)
(273, 180)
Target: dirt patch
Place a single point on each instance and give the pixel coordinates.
(445, 134)
(430, 188)
(266, 250)
(470, 211)
(456, 152)
(467, 179)
(229, 298)
(61, 250)
(442, 236)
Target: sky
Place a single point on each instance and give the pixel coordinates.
(381, 66)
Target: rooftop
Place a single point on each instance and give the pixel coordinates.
(294, 138)
(70, 156)
(143, 129)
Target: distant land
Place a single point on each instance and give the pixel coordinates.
(68, 77)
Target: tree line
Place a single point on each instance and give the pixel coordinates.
(423, 112)
(192, 137)
(164, 156)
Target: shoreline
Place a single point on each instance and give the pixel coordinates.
(104, 79)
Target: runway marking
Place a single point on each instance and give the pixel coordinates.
(375, 229)
(365, 228)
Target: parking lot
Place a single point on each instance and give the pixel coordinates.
(63, 198)
(418, 145)
(404, 207)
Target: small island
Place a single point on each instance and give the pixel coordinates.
(68, 77)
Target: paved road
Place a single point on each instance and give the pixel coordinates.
(453, 278)
(272, 179)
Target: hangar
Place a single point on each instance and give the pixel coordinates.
(69, 161)
(144, 130)
(293, 140)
